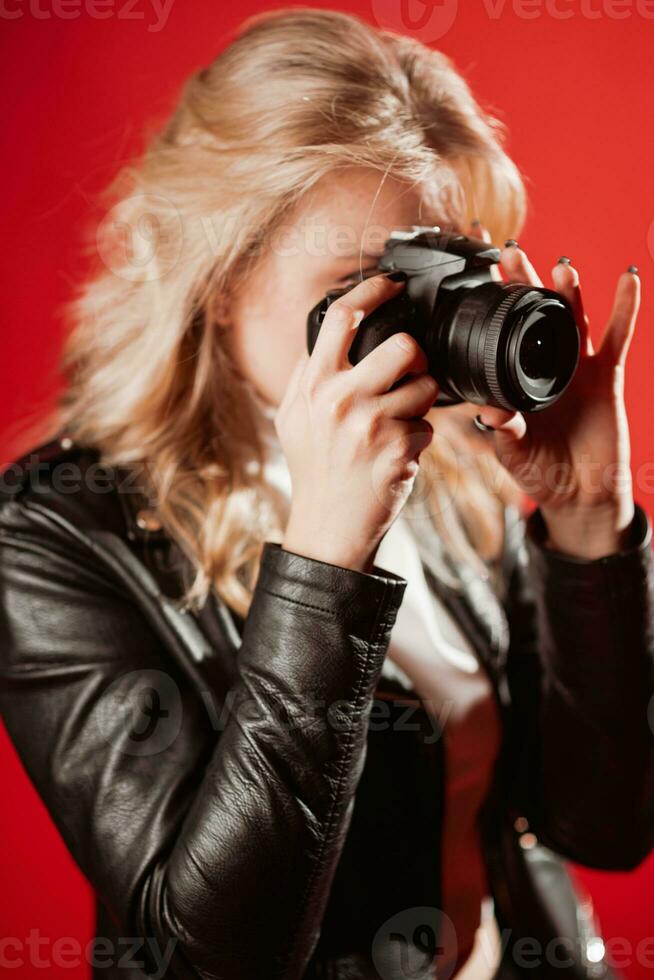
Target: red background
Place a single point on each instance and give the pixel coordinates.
(575, 93)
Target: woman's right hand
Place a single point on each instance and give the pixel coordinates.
(352, 446)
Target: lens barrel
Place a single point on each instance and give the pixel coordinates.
(505, 344)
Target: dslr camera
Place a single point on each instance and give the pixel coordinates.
(487, 342)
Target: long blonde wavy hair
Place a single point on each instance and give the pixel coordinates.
(150, 382)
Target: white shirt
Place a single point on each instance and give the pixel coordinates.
(429, 653)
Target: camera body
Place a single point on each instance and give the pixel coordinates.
(488, 342)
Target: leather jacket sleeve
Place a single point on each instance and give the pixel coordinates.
(223, 837)
(581, 675)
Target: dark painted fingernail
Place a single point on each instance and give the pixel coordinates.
(482, 425)
(511, 243)
(475, 223)
(633, 269)
(397, 276)
(563, 260)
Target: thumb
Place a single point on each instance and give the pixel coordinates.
(507, 425)
(509, 432)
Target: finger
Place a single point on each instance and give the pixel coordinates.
(387, 363)
(506, 424)
(420, 433)
(411, 399)
(511, 436)
(296, 375)
(622, 321)
(342, 319)
(478, 230)
(566, 282)
(517, 266)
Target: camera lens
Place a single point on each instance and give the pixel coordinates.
(505, 344)
(538, 353)
(543, 347)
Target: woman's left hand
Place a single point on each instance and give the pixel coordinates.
(573, 458)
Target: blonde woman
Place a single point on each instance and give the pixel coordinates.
(303, 690)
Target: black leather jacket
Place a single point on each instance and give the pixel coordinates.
(252, 800)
